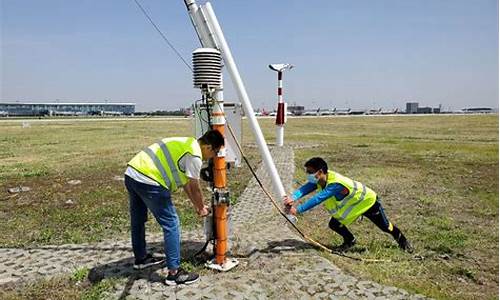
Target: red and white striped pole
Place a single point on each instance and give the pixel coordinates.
(281, 113)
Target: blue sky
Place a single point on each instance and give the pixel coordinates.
(358, 54)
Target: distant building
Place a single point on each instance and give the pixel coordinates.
(424, 110)
(65, 109)
(412, 107)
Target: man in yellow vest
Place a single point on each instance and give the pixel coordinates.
(345, 199)
(152, 175)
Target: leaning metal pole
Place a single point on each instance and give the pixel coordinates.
(210, 35)
(243, 96)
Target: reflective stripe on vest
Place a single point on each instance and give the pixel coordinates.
(361, 198)
(158, 165)
(354, 204)
(160, 161)
(347, 198)
(171, 164)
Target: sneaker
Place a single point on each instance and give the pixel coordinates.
(147, 262)
(181, 277)
(346, 245)
(405, 244)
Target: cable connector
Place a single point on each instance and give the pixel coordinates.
(221, 197)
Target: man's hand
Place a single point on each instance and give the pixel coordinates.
(203, 212)
(192, 189)
(287, 201)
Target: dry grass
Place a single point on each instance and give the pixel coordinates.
(49, 153)
(437, 176)
(438, 179)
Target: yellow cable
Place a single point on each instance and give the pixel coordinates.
(273, 201)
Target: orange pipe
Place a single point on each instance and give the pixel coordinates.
(220, 214)
(219, 165)
(221, 233)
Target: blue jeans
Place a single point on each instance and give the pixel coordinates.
(158, 200)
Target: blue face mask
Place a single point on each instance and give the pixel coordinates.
(312, 179)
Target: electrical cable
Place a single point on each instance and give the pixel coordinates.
(310, 240)
(273, 201)
(204, 102)
(162, 35)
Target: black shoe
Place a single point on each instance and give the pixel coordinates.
(404, 244)
(346, 245)
(147, 262)
(181, 277)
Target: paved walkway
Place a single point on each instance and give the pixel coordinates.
(274, 262)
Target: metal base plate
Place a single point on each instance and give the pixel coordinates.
(228, 265)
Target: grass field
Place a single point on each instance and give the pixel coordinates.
(46, 156)
(437, 177)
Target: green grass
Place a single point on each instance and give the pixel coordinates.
(437, 177)
(75, 286)
(438, 180)
(80, 274)
(49, 153)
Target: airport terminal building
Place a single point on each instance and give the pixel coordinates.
(65, 109)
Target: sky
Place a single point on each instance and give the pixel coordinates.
(347, 54)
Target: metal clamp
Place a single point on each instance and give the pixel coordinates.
(221, 197)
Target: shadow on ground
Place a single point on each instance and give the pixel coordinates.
(277, 246)
(123, 268)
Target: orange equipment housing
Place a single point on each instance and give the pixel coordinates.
(220, 214)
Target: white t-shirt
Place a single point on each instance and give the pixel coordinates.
(189, 164)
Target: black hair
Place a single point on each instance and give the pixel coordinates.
(213, 138)
(317, 163)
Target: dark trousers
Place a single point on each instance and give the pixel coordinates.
(377, 215)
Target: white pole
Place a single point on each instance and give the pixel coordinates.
(243, 96)
(280, 133)
(200, 25)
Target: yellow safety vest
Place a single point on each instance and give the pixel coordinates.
(354, 204)
(160, 161)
